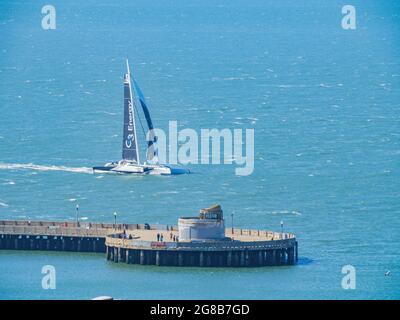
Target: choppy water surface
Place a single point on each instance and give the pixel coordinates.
(324, 103)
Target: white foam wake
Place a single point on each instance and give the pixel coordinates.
(31, 166)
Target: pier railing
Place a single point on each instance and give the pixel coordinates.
(54, 231)
(259, 234)
(88, 229)
(212, 246)
(87, 225)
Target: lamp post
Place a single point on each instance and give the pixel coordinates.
(281, 229)
(77, 215)
(232, 222)
(115, 221)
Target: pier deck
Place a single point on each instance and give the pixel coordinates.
(137, 243)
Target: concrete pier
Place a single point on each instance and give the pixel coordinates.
(52, 243)
(244, 248)
(138, 244)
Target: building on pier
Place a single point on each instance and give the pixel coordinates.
(209, 225)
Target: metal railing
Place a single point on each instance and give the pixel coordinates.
(54, 231)
(58, 228)
(125, 243)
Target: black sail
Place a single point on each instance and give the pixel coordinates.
(129, 143)
(151, 155)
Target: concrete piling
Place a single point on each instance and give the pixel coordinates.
(142, 257)
(157, 258)
(229, 259)
(201, 259)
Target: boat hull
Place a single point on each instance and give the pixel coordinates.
(141, 169)
(101, 169)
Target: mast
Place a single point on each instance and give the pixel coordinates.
(130, 150)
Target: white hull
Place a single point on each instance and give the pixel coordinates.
(133, 168)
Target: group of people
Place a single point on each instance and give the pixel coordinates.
(124, 235)
(160, 237)
(173, 237)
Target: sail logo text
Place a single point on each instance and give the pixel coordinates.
(130, 111)
(128, 141)
(130, 137)
(188, 147)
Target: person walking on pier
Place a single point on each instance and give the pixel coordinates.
(158, 237)
(162, 237)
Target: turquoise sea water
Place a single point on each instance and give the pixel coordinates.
(324, 103)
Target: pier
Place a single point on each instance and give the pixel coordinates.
(243, 248)
(53, 236)
(161, 245)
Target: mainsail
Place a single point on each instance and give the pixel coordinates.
(130, 149)
(152, 153)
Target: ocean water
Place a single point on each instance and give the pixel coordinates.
(324, 103)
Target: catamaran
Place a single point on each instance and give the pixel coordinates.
(130, 162)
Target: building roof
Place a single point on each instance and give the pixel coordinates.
(213, 208)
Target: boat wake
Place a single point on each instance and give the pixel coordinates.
(31, 166)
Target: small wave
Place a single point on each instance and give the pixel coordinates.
(9, 182)
(284, 212)
(228, 79)
(252, 118)
(39, 80)
(31, 166)
(280, 212)
(3, 204)
(165, 192)
(233, 78)
(109, 113)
